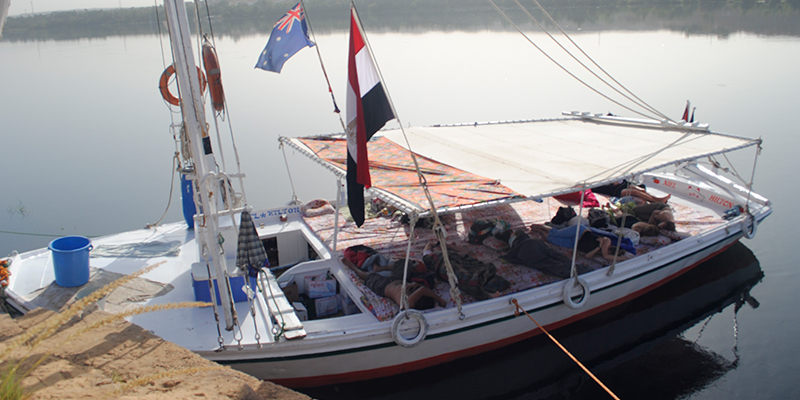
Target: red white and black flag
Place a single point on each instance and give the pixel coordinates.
(368, 109)
(686, 112)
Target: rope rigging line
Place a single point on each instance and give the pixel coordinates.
(289, 172)
(176, 156)
(564, 349)
(163, 59)
(210, 25)
(438, 227)
(223, 114)
(404, 295)
(212, 293)
(752, 177)
(175, 164)
(322, 65)
(573, 272)
(627, 166)
(620, 236)
(39, 234)
(562, 67)
(731, 169)
(638, 100)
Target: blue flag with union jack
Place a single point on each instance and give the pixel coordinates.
(289, 35)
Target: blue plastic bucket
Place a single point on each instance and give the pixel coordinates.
(71, 260)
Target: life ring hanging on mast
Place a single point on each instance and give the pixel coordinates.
(163, 84)
(211, 64)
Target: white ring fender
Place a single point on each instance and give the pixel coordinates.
(568, 290)
(419, 337)
(749, 226)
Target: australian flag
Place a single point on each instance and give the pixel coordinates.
(289, 35)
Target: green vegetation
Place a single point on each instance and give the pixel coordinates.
(768, 17)
(11, 385)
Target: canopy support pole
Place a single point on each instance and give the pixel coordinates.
(339, 201)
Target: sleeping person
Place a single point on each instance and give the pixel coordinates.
(420, 297)
(590, 241)
(535, 253)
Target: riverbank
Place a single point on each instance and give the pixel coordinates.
(122, 360)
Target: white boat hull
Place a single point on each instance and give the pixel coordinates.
(371, 353)
(359, 347)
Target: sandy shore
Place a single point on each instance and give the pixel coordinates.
(107, 362)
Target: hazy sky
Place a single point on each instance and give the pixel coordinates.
(25, 6)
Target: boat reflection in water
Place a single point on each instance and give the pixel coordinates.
(635, 349)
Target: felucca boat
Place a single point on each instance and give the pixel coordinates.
(306, 319)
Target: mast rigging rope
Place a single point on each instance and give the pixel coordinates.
(438, 227)
(563, 68)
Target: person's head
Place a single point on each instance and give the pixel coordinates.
(663, 215)
(588, 242)
(413, 265)
(667, 226)
(424, 303)
(645, 229)
(518, 235)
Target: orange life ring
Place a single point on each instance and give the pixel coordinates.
(163, 84)
(211, 64)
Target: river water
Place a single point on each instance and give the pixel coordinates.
(87, 150)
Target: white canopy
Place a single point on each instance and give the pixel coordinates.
(531, 159)
(547, 157)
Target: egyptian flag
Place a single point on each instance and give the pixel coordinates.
(368, 109)
(686, 112)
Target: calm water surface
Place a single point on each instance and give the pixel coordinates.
(87, 150)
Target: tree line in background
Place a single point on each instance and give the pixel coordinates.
(769, 17)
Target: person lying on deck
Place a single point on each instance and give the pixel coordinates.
(658, 214)
(664, 219)
(624, 188)
(655, 214)
(368, 260)
(590, 241)
(535, 253)
(419, 296)
(622, 219)
(475, 277)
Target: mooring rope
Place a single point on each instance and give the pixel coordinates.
(564, 349)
